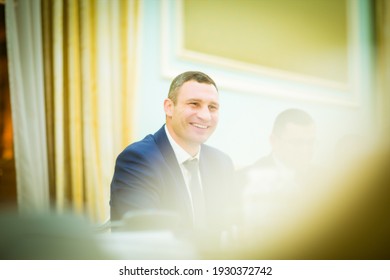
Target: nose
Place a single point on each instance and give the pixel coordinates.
(204, 113)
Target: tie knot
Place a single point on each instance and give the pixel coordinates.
(192, 165)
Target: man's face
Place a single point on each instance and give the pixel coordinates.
(295, 145)
(194, 117)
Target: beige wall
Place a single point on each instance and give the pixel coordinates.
(303, 36)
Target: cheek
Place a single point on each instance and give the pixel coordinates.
(185, 113)
(179, 115)
(215, 117)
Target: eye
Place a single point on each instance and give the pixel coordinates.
(193, 104)
(213, 108)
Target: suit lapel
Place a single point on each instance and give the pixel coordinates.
(178, 182)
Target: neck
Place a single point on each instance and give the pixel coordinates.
(191, 148)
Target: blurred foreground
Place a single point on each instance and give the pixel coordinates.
(344, 213)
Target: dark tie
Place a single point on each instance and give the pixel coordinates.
(198, 200)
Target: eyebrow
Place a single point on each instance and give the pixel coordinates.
(201, 100)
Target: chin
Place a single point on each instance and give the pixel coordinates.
(200, 140)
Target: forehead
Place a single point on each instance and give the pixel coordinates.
(200, 91)
(293, 130)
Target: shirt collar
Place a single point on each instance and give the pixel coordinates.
(181, 154)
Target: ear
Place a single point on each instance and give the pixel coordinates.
(168, 107)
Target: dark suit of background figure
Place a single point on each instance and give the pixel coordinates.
(148, 176)
(243, 175)
(269, 163)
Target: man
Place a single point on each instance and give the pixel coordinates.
(153, 174)
(293, 140)
(272, 184)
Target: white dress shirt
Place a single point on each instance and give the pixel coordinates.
(181, 157)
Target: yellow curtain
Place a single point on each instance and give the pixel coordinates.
(90, 75)
(382, 27)
(25, 67)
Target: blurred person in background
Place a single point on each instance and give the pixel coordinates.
(278, 177)
(293, 140)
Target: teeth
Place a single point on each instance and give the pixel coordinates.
(199, 125)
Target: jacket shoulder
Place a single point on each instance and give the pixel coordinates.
(211, 152)
(143, 147)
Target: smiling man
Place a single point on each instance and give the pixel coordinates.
(172, 171)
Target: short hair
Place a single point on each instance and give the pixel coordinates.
(185, 77)
(295, 116)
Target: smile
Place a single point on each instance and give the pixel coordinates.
(199, 125)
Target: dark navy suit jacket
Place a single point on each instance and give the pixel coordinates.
(148, 176)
